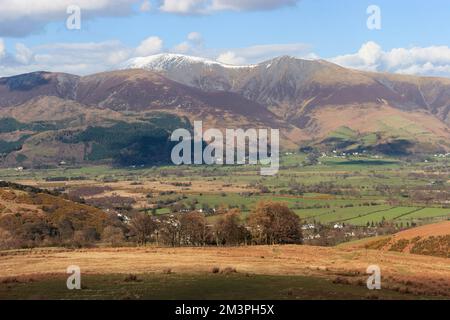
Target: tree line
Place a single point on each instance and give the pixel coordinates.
(269, 223)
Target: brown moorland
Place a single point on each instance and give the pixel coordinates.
(431, 240)
(400, 271)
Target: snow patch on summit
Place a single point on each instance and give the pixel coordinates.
(162, 62)
(165, 61)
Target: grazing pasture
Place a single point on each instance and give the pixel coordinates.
(354, 190)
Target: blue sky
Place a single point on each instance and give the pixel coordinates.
(236, 32)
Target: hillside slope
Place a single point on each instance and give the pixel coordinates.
(312, 102)
(431, 240)
(32, 217)
(305, 84)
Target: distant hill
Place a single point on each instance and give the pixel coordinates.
(313, 103)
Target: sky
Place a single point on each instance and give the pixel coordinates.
(401, 36)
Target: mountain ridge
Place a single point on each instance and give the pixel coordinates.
(308, 100)
(288, 79)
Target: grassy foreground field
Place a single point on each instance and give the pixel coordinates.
(195, 287)
(266, 272)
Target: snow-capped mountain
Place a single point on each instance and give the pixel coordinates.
(165, 61)
(309, 101)
(298, 85)
(253, 81)
(193, 71)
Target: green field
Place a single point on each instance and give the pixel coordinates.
(355, 193)
(389, 214)
(427, 213)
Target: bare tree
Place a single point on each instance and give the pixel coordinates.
(193, 229)
(142, 227)
(229, 229)
(6, 239)
(168, 231)
(113, 235)
(273, 223)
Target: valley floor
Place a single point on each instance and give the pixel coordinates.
(265, 272)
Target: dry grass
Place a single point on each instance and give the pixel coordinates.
(422, 274)
(435, 229)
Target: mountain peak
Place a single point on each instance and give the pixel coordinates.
(164, 61)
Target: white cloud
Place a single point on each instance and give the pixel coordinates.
(183, 47)
(2, 49)
(24, 55)
(193, 45)
(23, 17)
(149, 46)
(434, 60)
(91, 57)
(195, 37)
(255, 54)
(118, 56)
(241, 5)
(146, 6)
(211, 6)
(183, 6)
(230, 57)
(77, 58)
(20, 18)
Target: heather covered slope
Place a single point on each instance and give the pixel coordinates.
(430, 240)
(19, 89)
(31, 217)
(42, 124)
(121, 91)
